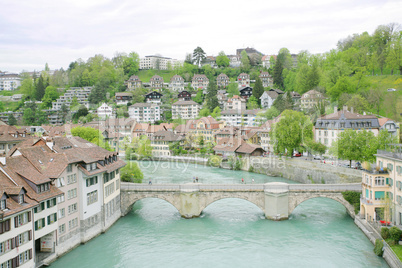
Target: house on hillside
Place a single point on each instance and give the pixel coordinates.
(246, 92)
(153, 97)
(222, 81)
(243, 80)
(156, 82)
(133, 82)
(177, 83)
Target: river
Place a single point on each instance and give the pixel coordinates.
(229, 233)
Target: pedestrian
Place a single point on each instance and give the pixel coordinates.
(252, 181)
(196, 179)
(150, 182)
(242, 180)
(193, 179)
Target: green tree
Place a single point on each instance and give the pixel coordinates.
(131, 173)
(28, 117)
(204, 112)
(233, 89)
(199, 97)
(277, 74)
(144, 147)
(40, 88)
(358, 103)
(293, 129)
(82, 111)
(51, 94)
(245, 62)
(41, 117)
(258, 89)
(28, 88)
(198, 56)
(212, 98)
(252, 103)
(269, 114)
(91, 135)
(11, 120)
(222, 60)
(314, 147)
(216, 113)
(343, 85)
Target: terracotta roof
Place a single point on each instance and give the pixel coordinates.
(383, 120)
(247, 148)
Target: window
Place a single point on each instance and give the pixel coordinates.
(92, 197)
(39, 208)
(73, 223)
(62, 229)
(51, 218)
(22, 219)
(70, 168)
(72, 208)
(71, 178)
(60, 199)
(51, 202)
(109, 189)
(72, 193)
(39, 224)
(3, 204)
(390, 167)
(62, 213)
(60, 182)
(92, 181)
(23, 238)
(379, 181)
(20, 199)
(43, 187)
(24, 257)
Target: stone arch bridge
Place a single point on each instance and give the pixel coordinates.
(276, 199)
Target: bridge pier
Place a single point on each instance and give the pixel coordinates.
(190, 203)
(277, 201)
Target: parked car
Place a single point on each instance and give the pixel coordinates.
(297, 155)
(391, 89)
(318, 157)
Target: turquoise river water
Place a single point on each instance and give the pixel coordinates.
(229, 233)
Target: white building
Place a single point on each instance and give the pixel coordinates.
(80, 93)
(9, 81)
(235, 103)
(145, 112)
(104, 111)
(158, 63)
(185, 109)
(240, 117)
(177, 83)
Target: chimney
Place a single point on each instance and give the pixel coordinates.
(351, 109)
(335, 108)
(345, 108)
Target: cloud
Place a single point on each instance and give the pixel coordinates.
(59, 32)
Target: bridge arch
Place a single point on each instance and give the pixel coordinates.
(296, 199)
(206, 205)
(128, 200)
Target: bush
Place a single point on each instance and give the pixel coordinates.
(395, 233)
(237, 165)
(251, 169)
(131, 173)
(378, 247)
(353, 198)
(385, 233)
(214, 161)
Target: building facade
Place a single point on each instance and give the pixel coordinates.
(177, 83)
(185, 109)
(145, 112)
(222, 80)
(81, 94)
(133, 82)
(9, 81)
(200, 81)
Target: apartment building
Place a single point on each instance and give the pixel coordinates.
(266, 79)
(161, 140)
(122, 98)
(185, 109)
(312, 99)
(104, 111)
(240, 117)
(145, 112)
(177, 83)
(9, 81)
(243, 80)
(235, 103)
(156, 82)
(222, 80)
(329, 127)
(200, 81)
(133, 82)
(381, 198)
(158, 63)
(80, 93)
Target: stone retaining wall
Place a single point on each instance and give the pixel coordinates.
(303, 171)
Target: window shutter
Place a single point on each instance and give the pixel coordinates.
(1, 227)
(29, 216)
(42, 205)
(36, 225)
(17, 241)
(12, 243)
(17, 261)
(14, 262)
(35, 210)
(30, 253)
(16, 221)
(30, 235)
(7, 225)
(43, 222)
(55, 216)
(48, 220)
(48, 203)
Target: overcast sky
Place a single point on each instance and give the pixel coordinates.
(59, 32)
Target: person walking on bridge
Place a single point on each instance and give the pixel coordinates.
(242, 180)
(150, 182)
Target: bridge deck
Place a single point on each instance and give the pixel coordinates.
(126, 186)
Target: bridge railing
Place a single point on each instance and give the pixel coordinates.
(326, 187)
(241, 187)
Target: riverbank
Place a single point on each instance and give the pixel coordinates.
(372, 234)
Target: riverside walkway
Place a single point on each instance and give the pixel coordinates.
(276, 199)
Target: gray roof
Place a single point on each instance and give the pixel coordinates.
(348, 120)
(190, 102)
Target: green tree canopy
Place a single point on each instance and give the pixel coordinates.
(222, 60)
(293, 129)
(258, 89)
(252, 103)
(131, 173)
(198, 56)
